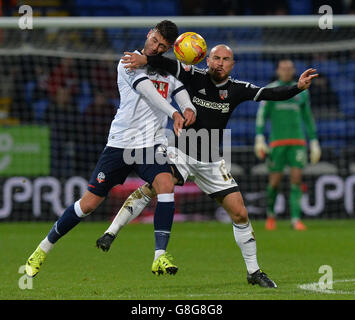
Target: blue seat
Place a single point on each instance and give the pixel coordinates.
(300, 66)
(347, 104)
(349, 69)
(85, 97)
(39, 108)
(119, 45)
(258, 72)
(336, 145)
(331, 68)
(162, 8)
(135, 8)
(247, 109)
(332, 129)
(351, 130)
(244, 129)
(298, 7)
(346, 94)
(245, 35)
(29, 87)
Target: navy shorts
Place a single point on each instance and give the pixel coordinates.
(112, 168)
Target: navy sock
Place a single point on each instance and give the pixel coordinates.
(163, 221)
(65, 223)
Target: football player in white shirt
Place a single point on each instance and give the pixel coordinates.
(133, 143)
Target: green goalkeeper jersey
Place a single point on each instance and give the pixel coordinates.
(286, 118)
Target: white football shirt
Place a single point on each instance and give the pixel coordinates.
(136, 123)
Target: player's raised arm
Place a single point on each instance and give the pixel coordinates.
(287, 92)
(133, 60)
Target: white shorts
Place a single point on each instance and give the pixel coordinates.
(213, 178)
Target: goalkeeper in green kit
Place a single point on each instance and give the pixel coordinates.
(287, 143)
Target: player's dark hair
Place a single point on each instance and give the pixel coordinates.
(168, 30)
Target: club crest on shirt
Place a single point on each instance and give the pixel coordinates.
(130, 72)
(100, 177)
(223, 94)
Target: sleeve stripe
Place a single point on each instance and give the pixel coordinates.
(177, 90)
(135, 83)
(178, 69)
(258, 94)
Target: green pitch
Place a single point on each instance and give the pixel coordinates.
(210, 263)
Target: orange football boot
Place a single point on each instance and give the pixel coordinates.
(270, 223)
(299, 225)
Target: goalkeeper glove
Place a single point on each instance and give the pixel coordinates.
(315, 151)
(260, 147)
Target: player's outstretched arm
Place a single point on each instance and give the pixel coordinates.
(287, 92)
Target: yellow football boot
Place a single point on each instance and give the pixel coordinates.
(35, 261)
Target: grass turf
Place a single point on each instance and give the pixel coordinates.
(210, 263)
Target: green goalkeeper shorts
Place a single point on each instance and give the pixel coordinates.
(281, 156)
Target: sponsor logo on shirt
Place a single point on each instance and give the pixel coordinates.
(162, 87)
(223, 107)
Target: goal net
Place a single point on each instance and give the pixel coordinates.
(58, 96)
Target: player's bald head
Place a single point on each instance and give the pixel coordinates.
(222, 48)
(220, 62)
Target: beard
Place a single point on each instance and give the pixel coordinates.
(216, 76)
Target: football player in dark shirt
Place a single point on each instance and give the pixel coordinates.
(215, 95)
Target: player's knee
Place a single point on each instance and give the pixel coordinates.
(240, 215)
(163, 183)
(88, 205)
(87, 208)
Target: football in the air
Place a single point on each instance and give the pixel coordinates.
(190, 48)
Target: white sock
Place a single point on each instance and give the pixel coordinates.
(158, 253)
(244, 236)
(46, 245)
(131, 209)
